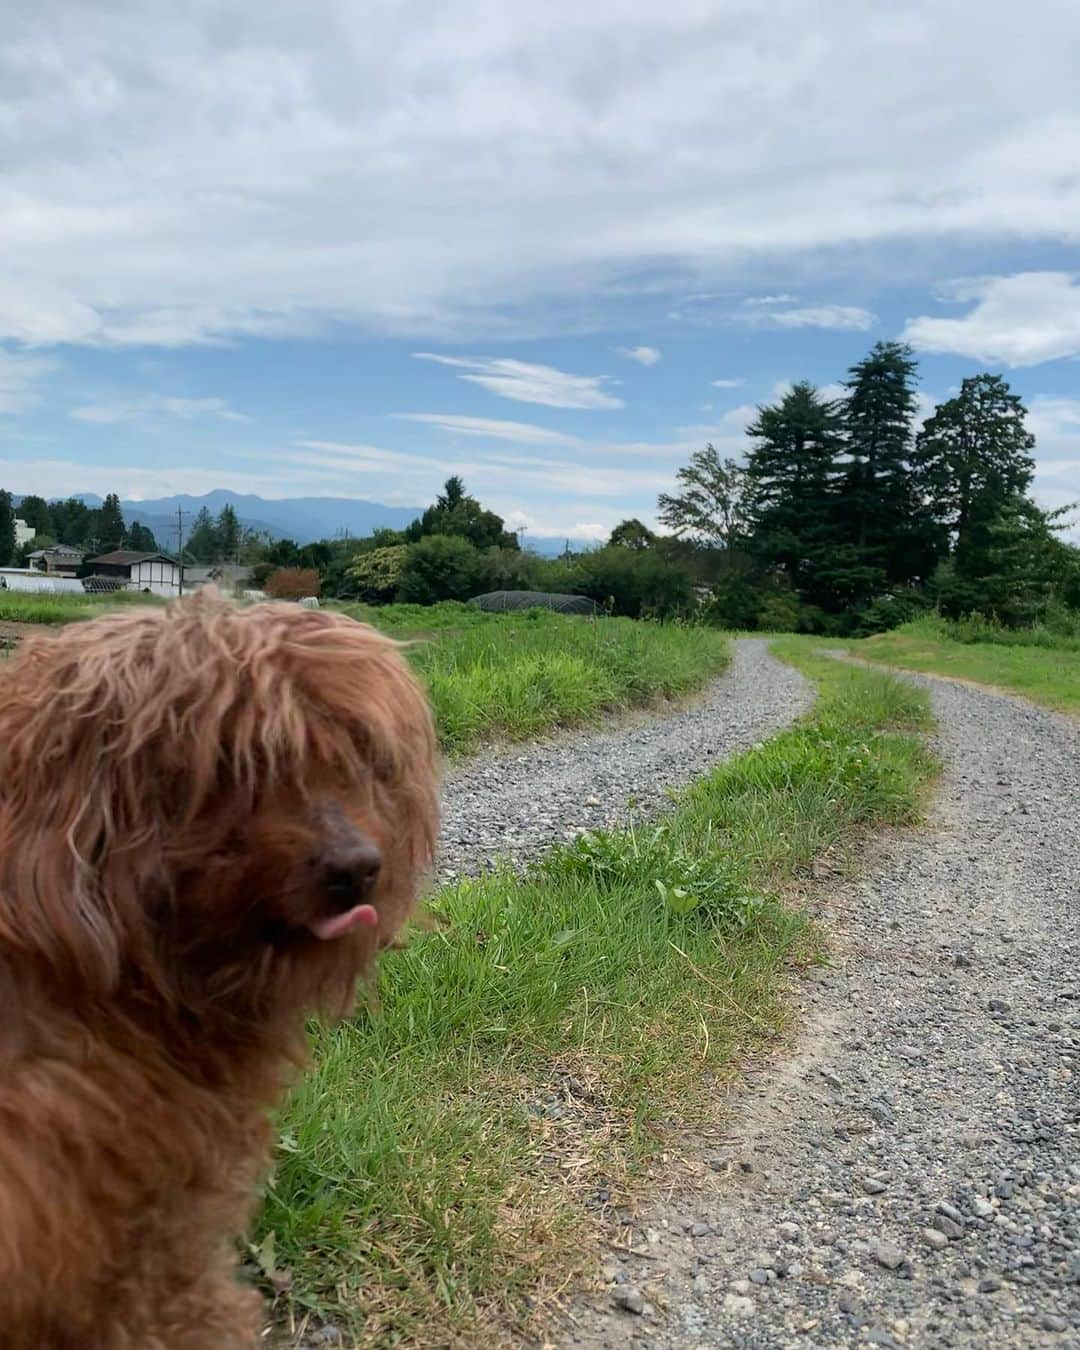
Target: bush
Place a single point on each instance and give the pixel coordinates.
(440, 567)
(636, 584)
(292, 583)
(890, 611)
(374, 577)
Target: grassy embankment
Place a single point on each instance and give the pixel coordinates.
(1039, 663)
(440, 1165)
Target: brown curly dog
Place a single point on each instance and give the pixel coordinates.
(211, 818)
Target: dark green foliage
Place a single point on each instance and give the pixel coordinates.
(203, 543)
(631, 534)
(141, 538)
(74, 523)
(636, 583)
(7, 529)
(228, 527)
(35, 511)
(457, 514)
(791, 478)
(110, 525)
(440, 567)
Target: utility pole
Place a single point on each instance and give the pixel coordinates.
(180, 514)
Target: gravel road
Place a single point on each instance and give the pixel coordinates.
(517, 802)
(910, 1176)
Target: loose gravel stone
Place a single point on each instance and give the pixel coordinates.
(519, 801)
(977, 1127)
(630, 1298)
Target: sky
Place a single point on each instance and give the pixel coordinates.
(347, 250)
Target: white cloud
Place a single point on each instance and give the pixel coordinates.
(644, 356)
(728, 384)
(526, 382)
(490, 428)
(19, 376)
(814, 316)
(155, 405)
(1018, 320)
(770, 300)
(192, 173)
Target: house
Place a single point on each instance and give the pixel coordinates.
(127, 570)
(58, 560)
(23, 533)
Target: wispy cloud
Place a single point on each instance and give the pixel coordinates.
(153, 406)
(770, 300)
(644, 356)
(19, 377)
(813, 316)
(526, 382)
(728, 384)
(1018, 320)
(489, 428)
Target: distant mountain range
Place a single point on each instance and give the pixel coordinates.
(303, 519)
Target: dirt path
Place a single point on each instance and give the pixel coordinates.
(911, 1175)
(520, 801)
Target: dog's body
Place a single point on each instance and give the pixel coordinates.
(210, 820)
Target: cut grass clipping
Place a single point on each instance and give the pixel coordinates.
(449, 1153)
(1037, 663)
(517, 675)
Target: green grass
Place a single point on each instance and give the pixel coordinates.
(518, 675)
(43, 608)
(435, 1170)
(1045, 669)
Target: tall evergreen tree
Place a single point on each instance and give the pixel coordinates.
(204, 542)
(228, 528)
(110, 525)
(141, 538)
(791, 476)
(7, 529)
(972, 458)
(35, 511)
(878, 509)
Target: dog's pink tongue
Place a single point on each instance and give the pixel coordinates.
(360, 916)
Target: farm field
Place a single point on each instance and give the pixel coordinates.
(449, 1156)
(1037, 663)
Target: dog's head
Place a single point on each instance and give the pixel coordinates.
(216, 805)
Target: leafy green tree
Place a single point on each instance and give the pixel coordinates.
(141, 538)
(456, 513)
(879, 511)
(631, 534)
(375, 576)
(7, 528)
(637, 583)
(973, 456)
(74, 523)
(35, 511)
(791, 478)
(440, 567)
(110, 525)
(709, 506)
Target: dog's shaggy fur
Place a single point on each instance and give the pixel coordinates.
(210, 820)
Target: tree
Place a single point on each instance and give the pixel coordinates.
(35, 511)
(631, 534)
(709, 507)
(7, 528)
(440, 567)
(637, 583)
(74, 523)
(110, 525)
(228, 529)
(878, 511)
(375, 576)
(141, 538)
(204, 541)
(456, 513)
(791, 478)
(971, 458)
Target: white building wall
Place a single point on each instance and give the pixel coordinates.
(24, 534)
(159, 578)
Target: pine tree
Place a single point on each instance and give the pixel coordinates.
(141, 538)
(204, 542)
(7, 529)
(972, 458)
(110, 525)
(878, 510)
(228, 529)
(791, 475)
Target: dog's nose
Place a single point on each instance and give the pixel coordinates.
(350, 872)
